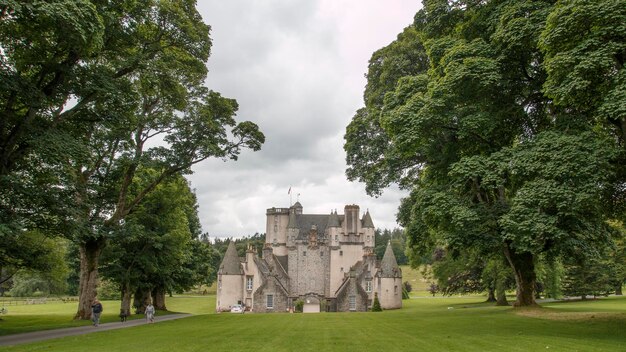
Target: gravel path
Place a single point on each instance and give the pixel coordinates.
(35, 336)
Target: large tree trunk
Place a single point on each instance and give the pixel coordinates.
(87, 289)
(523, 265)
(159, 298)
(491, 294)
(142, 297)
(618, 289)
(126, 294)
(501, 295)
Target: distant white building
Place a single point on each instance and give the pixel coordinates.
(326, 261)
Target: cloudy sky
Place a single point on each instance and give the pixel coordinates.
(297, 70)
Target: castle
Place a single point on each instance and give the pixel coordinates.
(324, 262)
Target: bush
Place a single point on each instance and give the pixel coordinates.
(406, 288)
(299, 306)
(376, 305)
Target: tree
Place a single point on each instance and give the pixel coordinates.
(458, 274)
(156, 250)
(398, 244)
(101, 80)
(491, 162)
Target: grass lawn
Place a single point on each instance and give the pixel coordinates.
(425, 324)
(56, 314)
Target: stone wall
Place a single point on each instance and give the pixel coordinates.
(352, 288)
(308, 269)
(271, 286)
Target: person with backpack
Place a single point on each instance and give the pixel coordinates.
(96, 310)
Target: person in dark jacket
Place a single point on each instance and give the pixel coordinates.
(96, 310)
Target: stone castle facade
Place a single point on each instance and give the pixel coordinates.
(326, 261)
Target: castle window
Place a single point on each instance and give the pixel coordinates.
(321, 254)
(340, 252)
(249, 283)
(336, 237)
(395, 289)
(270, 302)
(304, 253)
(352, 302)
(368, 286)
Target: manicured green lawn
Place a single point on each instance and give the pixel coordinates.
(55, 314)
(425, 324)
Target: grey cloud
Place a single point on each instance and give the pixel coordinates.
(296, 69)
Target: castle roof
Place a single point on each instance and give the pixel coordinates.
(307, 221)
(367, 220)
(389, 264)
(333, 219)
(231, 263)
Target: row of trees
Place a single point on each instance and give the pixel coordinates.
(506, 121)
(101, 103)
(469, 272)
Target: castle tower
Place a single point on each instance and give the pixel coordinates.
(229, 280)
(389, 281)
(276, 229)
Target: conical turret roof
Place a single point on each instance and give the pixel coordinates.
(367, 220)
(389, 264)
(333, 219)
(231, 264)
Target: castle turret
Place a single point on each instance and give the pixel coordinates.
(229, 280)
(298, 208)
(292, 228)
(333, 219)
(367, 226)
(367, 220)
(389, 281)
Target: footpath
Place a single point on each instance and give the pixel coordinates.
(36, 336)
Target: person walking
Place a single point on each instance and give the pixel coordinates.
(150, 313)
(96, 310)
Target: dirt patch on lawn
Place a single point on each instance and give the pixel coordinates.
(570, 316)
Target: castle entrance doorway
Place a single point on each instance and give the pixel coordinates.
(311, 305)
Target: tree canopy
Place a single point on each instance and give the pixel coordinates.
(90, 93)
(494, 126)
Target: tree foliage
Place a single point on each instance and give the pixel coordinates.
(507, 144)
(156, 247)
(93, 91)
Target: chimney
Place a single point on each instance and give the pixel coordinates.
(351, 213)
